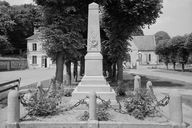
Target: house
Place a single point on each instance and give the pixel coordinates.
(143, 50)
(36, 56)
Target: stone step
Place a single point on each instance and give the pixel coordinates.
(110, 95)
(96, 88)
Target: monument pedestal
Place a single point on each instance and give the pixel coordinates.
(94, 83)
(94, 79)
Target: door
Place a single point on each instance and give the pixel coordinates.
(44, 61)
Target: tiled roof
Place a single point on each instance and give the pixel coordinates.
(145, 43)
(33, 37)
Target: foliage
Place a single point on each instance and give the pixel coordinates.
(182, 52)
(121, 89)
(140, 104)
(17, 22)
(161, 35)
(101, 112)
(42, 105)
(68, 92)
(6, 24)
(120, 19)
(188, 42)
(62, 31)
(6, 21)
(5, 45)
(25, 17)
(162, 49)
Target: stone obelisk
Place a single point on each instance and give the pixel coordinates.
(93, 80)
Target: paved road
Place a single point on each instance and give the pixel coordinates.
(27, 76)
(159, 73)
(171, 76)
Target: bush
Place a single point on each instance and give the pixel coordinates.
(101, 112)
(140, 104)
(68, 92)
(121, 89)
(44, 104)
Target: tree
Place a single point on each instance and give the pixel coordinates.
(182, 53)
(6, 24)
(25, 18)
(172, 53)
(120, 19)
(163, 50)
(5, 45)
(188, 42)
(62, 31)
(161, 35)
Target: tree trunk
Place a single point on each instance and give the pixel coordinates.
(82, 66)
(114, 72)
(174, 65)
(59, 67)
(75, 71)
(120, 69)
(68, 68)
(110, 70)
(183, 67)
(167, 66)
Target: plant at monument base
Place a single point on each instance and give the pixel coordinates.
(42, 104)
(101, 112)
(140, 104)
(68, 92)
(121, 89)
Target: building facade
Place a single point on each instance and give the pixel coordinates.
(143, 50)
(36, 56)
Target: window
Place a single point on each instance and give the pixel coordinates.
(34, 59)
(149, 57)
(34, 47)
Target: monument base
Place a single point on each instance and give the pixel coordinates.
(94, 83)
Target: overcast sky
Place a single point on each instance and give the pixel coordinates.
(175, 20)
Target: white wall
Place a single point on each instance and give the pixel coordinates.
(145, 57)
(39, 53)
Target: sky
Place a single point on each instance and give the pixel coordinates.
(175, 20)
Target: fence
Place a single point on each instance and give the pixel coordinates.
(12, 64)
(175, 114)
(4, 87)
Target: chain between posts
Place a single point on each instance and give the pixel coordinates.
(76, 104)
(162, 102)
(110, 106)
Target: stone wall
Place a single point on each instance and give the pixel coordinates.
(12, 64)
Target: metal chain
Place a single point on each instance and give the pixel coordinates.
(111, 107)
(164, 101)
(76, 104)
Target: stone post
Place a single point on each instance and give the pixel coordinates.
(92, 106)
(13, 111)
(137, 82)
(40, 90)
(149, 85)
(175, 108)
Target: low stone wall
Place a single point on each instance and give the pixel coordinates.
(175, 119)
(12, 64)
(88, 124)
